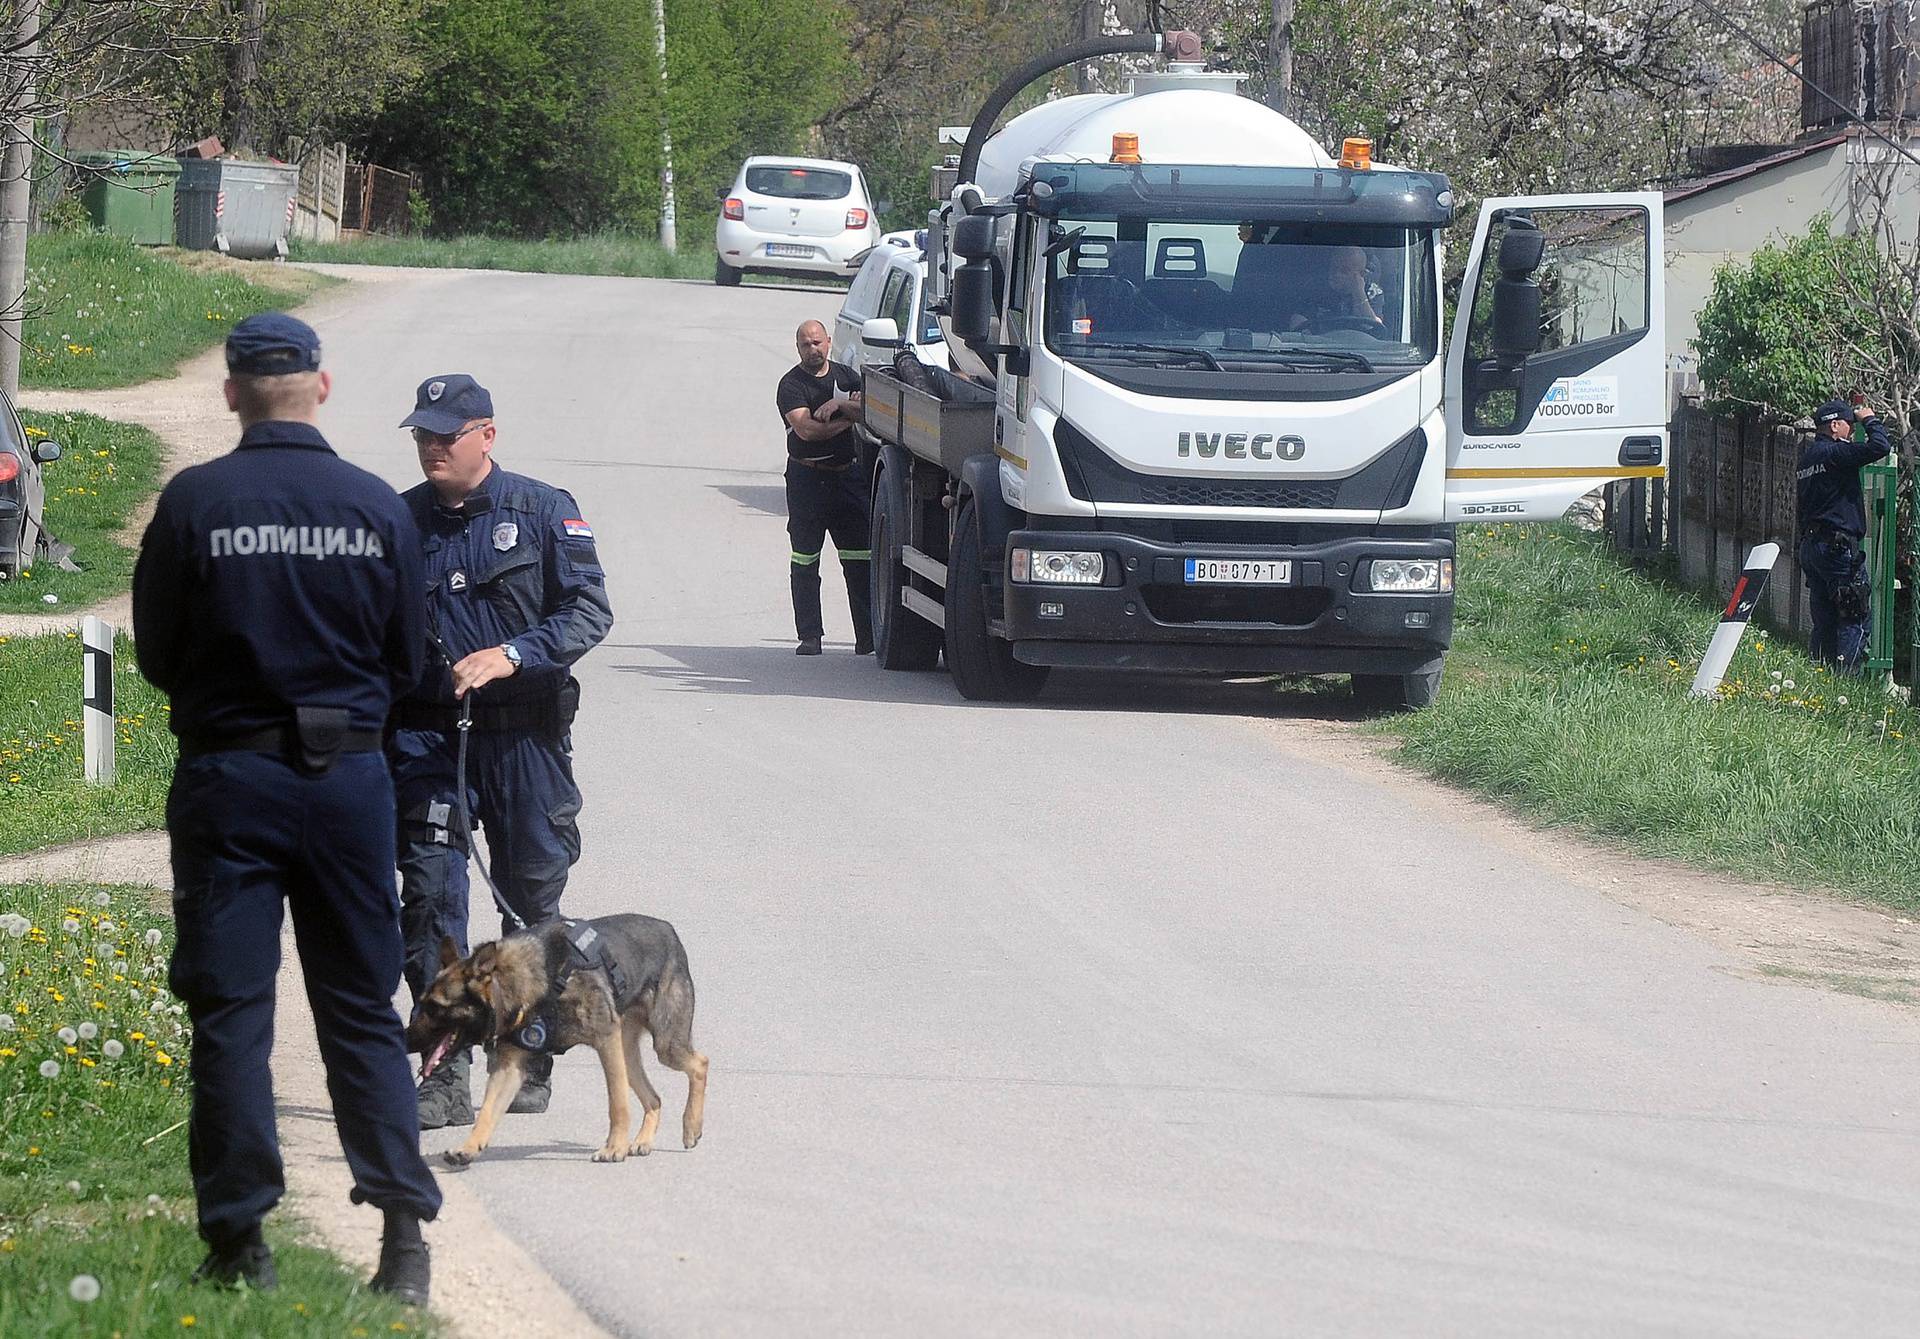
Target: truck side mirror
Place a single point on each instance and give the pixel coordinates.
(881, 334)
(973, 237)
(970, 301)
(1516, 294)
(1522, 248)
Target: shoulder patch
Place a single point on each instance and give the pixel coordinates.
(577, 528)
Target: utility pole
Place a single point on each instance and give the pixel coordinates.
(16, 186)
(668, 239)
(243, 68)
(1280, 57)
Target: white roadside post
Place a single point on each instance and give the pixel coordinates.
(96, 697)
(1733, 621)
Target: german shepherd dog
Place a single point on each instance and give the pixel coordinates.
(492, 997)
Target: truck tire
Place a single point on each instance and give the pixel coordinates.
(1396, 692)
(902, 640)
(982, 664)
(725, 275)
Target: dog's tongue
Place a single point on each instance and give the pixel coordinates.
(438, 1054)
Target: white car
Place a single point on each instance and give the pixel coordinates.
(796, 216)
(891, 283)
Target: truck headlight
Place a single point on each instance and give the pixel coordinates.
(1059, 567)
(1410, 574)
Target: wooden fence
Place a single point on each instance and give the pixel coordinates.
(1729, 486)
(321, 198)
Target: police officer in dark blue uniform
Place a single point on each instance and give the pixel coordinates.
(277, 601)
(515, 597)
(1833, 521)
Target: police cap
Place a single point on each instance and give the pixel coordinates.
(444, 405)
(272, 344)
(1833, 411)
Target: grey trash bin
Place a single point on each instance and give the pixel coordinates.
(241, 208)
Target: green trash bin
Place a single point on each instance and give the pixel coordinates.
(130, 193)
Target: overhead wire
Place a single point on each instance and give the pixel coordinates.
(1849, 113)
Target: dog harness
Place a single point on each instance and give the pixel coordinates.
(587, 950)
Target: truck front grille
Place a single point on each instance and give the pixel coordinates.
(1279, 606)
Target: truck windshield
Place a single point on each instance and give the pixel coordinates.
(1241, 294)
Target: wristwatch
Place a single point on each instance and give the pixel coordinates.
(511, 652)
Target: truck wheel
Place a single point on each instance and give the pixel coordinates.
(724, 274)
(902, 640)
(1396, 692)
(982, 664)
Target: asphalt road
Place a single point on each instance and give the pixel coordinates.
(1119, 1014)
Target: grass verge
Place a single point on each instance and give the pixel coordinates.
(104, 312)
(603, 253)
(97, 1232)
(1566, 695)
(617, 254)
(44, 796)
(105, 471)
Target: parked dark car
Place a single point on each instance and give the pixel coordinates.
(22, 492)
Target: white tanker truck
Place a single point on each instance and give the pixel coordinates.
(1209, 420)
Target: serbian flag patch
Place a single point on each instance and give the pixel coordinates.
(577, 529)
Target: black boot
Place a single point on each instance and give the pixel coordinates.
(446, 1097)
(537, 1089)
(244, 1262)
(405, 1273)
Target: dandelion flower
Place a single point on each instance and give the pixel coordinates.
(188, 1322)
(74, 1187)
(49, 1069)
(153, 939)
(6, 1022)
(154, 1201)
(105, 926)
(70, 925)
(1842, 699)
(1775, 676)
(1787, 684)
(84, 1288)
(67, 1035)
(88, 1031)
(113, 1050)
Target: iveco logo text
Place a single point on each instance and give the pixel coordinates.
(1240, 445)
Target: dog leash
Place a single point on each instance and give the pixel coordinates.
(465, 727)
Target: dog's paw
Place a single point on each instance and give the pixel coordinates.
(640, 1148)
(691, 1138)
(459, 1157)
(610, 1153)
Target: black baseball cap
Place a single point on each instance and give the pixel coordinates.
(1833, 411)
(447, 404)
(272, 344)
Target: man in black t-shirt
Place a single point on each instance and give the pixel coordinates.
(819, 402)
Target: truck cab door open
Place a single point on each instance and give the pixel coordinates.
(1556, 372)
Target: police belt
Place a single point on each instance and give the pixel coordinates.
(280, 739)
(549, 714)
(1830, 533)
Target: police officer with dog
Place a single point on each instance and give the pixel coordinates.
(1833, 522)
(515, 595)
(278, 603)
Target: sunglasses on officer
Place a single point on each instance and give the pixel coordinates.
(421, 437)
